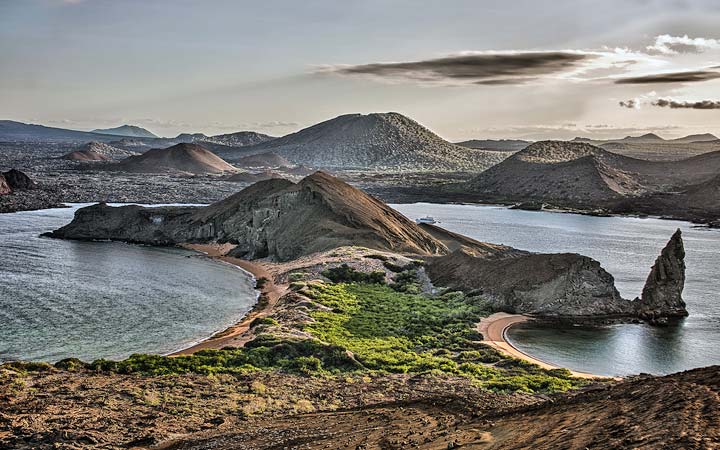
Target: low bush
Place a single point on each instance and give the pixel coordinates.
(346, 274)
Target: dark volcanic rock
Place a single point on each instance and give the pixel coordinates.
(562, 286)
(662, 294)
(18, 180)
(547, 285)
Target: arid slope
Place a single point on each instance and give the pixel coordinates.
(379, 141)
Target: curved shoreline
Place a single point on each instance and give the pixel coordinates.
(493, 330)
(236, 334)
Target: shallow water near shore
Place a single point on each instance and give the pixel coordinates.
(626, 247)
(107, 299)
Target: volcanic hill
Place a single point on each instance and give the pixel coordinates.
(578, 174)
(191, 158)
(97, 151)
(127, 130)
(378, 141)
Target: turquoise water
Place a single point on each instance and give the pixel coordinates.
(626, 247)
(106, 299)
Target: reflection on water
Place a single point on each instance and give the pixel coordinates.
(106, 299)
(626, 247)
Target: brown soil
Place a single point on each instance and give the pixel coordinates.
(71, 410)
(679, 411)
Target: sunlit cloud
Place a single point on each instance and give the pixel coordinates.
(673, 45)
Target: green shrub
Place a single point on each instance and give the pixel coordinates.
(24, 366)
(296, 276)
(346, 274)
(391, 331)
(71, 364)
(263, 321)
(407, 282)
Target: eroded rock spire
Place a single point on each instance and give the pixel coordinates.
(662, 295)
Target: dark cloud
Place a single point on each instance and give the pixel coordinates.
(632, 103)
(703, 104)
(479, 68)
(671, 77)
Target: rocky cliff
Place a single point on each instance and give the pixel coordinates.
(274, 218)
(662, 295)
(563, 286)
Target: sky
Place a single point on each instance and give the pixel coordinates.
(464, 69)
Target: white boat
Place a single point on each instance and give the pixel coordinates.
(426, 219)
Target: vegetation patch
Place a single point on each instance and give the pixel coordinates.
(346, 274)
(366, 328)
(396, 332)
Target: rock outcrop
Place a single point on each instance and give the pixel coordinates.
(4, 186)
(563, 286)
(547, 285)
(18, 180)
(662, 295)
(274, 218)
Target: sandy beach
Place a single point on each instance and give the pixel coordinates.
(235, 335)
(493, 330)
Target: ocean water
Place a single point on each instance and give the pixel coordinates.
(626, 247)
(106, 299)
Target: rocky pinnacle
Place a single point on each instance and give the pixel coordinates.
(662, 294)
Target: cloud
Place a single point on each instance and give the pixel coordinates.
(671, 77)
(632, 103)
(483, 68)
(674, 104)
(673, 45)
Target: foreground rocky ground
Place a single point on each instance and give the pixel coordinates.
(66, 409)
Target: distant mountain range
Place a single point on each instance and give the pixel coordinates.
(379, 141)
(133, 139)
(126, 130)
(500, 145)
(650, 138)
